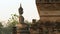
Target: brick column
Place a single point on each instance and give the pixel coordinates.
(14, 30)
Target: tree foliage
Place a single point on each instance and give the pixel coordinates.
(10, 24)
(1, 25)
(13, 21)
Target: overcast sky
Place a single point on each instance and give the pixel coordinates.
(8, 7)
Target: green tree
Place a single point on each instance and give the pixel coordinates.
(1, 25)
(10, 24)
(13, 21)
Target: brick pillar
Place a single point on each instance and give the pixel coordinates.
(14, 30)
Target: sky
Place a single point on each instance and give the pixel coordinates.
(8, 7)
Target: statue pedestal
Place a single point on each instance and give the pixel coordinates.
(22, 28)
